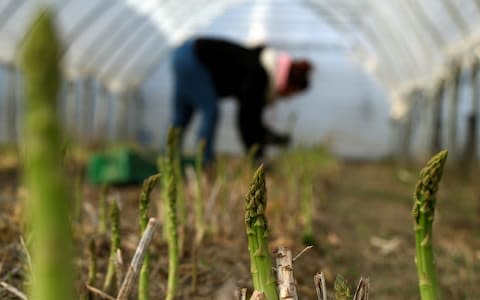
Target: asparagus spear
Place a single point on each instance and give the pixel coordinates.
(172, 235)
(115, 244)
(423, 213)
(49, 201)
(342, 291)
(181, 207)
(102, 211)
(147, 188)
(257, 234)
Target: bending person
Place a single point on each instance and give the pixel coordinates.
(207, 70)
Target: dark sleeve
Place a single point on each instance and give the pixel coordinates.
(251, 105)
(252, 130)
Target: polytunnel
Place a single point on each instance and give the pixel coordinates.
(389, 77)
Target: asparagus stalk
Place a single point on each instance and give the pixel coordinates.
(257, 234)
(162, 163)
(115, 244)
(423, 213)
(102, 212)
(181, 207)
(250, 162)
(342, 291)
(307, 210)
(92, 270)
(172, 237)
(147, 188)
(199, 222)
(49, 201)
(92, 263)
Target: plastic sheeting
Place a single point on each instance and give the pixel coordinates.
(119, 42)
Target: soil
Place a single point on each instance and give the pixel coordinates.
(362, 226)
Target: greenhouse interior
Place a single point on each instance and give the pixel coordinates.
(149, 134)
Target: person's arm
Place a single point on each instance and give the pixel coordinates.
(252, 129)
(274, 138)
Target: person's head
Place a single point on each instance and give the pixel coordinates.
(298, 77)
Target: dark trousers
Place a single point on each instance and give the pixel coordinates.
(194, 90)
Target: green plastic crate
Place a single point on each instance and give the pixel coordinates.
(120, 166)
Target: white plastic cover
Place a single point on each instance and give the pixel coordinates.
(119, 42)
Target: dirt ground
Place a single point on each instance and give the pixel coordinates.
(362, 226)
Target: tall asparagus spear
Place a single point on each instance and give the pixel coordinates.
(147, 188)
(257, 234)
(307, 208)
(181, 205)
(423, 213)
(115, 244)
(49, 201)
(172, 235)
(102, 210)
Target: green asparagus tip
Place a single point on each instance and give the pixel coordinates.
(308, 239)
(427, 185)
(256, 198)
(150, 183)
(342, 292)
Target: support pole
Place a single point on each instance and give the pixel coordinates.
(121, 121)
(70, 105)
(469, 157)
(101, 114)
(408, 125)
(453, 111)
(87, 109)
(437, 100)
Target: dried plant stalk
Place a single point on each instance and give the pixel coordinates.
(98, 292)
(13, 290)
(49, 202)
(92, 263)
(320, 286)
(137, 260)
(363, 288)
(423, 213)
(287, 288)
(244, 293)
(257, 296)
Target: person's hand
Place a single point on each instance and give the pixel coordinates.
(278, 139)
(283, 140)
